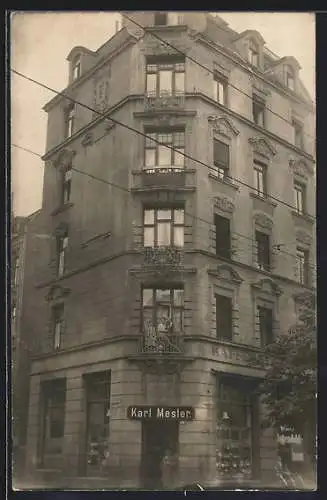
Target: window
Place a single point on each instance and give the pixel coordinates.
(223, 241)
(164, 227)
(165, 78)
(258, 110)
(265, 316)
(53, 399)
(221, 158)
(97, 386)
(299, 197)
(260, 179)
(289, 77)
(66, 184)
(70, 121)
(76, 68)
(220, 89)
(262, 250)
(302, 266)
(62, 245)
(234, 429)
(253, 54)
(57, 325)
(224, 315)
(297, 134)
(160, 18)
(159, 157)
(16, 271)
(162, 310)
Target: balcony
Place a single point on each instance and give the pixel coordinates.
(164, 101)
(163, 342)
(165, 256)
(168, 178)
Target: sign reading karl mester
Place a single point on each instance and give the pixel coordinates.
(160, 412)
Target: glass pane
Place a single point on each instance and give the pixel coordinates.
(177, 320)
(164, 156)
(148, 216)
(147, 297)
(178, 216)
(178, 297)
(163, 295)
(179, 83)
(165, 80)
(179, 158)
(151, 84)
(164, 214)
(163, 234)
(163, 319)
(221, 93)
(148, 237)
(215, 90)
(150, 157)
(179, 236)
(148, 326)
(149, 143)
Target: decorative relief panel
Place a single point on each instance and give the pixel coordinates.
(87, 139)
(226, 273)
(223, 125)
(259, 87)
(64, 158)
(154, 47)
(262, 146)
(262, 220)
(301, 168)
(224, 204)
(303, 237)
(268, 286)
(101, 86)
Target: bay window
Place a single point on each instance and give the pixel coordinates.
(166, 78)
(162, 311)
(164, 227)
(160, 157)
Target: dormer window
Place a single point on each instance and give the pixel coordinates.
(289, 77)
(160, 18)
(76, 68)
(253, 53)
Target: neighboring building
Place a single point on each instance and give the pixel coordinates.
(159, 293)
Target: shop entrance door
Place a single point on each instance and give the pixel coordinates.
(159, 439)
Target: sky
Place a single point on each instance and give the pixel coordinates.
(41, 41)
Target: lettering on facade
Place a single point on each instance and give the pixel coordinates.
(237, 356)
(160, 413)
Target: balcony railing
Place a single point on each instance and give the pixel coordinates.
(163, 256)
(163, 343)
(164, 100)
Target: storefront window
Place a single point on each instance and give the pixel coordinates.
(234, 432)
(97, 421)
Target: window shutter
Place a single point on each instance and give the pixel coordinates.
(221, 154)
(224, 317)
(223, 237)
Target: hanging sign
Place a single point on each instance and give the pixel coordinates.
(178, 413)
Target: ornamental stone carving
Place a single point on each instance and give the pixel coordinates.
(224, 204)
(303, 237)
(226, 273)
(101, 84)
(64, 158)
(262, 146)
(268, 286)
(87, 139)
(301, 167)
(262, 220)
(223, 125)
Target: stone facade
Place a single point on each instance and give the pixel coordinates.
(105, 266)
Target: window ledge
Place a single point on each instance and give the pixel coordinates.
(62, 208)
(303, 216)
(264, 199)
(225, 182)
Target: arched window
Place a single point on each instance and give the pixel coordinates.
(253, 53)
(289, 77)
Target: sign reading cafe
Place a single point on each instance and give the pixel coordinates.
(160, 413)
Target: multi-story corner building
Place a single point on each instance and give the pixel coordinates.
(180, 190)
(26, 250)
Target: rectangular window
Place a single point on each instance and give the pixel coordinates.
(159, 157)
(220, 84)
(265, 316)
(57, 325)
(302, 266)
(260, 178)
(97, 388)
(163, 227)
(160, 18)
(70, 121)
(297, 134)
(76, 68)
(289, 80)
(263, 250)
(299, 197)
(221, 158)
(165, 78)
(223, 239)
(224, 318)
(66, 185)
(53, 395)
(62, 245)
(258, 110)
(253, 55)
(162, 311)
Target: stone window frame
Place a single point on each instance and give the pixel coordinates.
(265, 224)
(265, 293)
(225, 207)
(264, 153)
(304, 241)
(225, 281)
(76, 63)
(302, 172)
(56, 297)
(223, 129)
